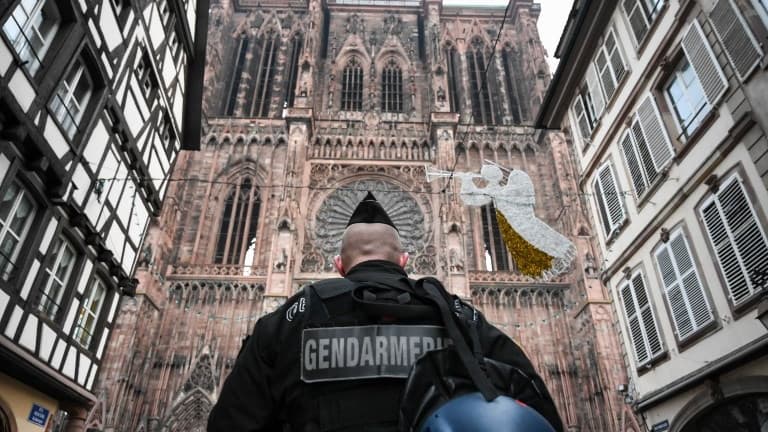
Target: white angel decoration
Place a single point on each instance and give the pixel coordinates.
(538, 250)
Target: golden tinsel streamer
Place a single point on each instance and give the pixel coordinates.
(530, 260)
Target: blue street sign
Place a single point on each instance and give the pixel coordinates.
(38, 415)
(661, 426)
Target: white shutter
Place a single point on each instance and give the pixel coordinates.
(646, 161)
(655, 134)
(581, 118)
(595, 93)
(704, 63)
(638, 21)
(610, 199)
(738, 239)
(682, 285)
(640, 319)
(633, 163)
(738, 42)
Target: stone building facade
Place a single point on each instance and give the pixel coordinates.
(310, 104)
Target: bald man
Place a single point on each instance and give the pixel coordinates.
(335, 357)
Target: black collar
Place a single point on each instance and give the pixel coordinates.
(361, 271)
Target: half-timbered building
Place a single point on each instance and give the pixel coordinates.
(97, 98)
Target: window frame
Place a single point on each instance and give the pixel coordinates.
(24, 237)
(32, 61)
(617, 79)
(49, 277)
(77, 330)
(392, 88)
(761, 7)
(683, 134)
(82, 61)
(650, 16)
(352, 91)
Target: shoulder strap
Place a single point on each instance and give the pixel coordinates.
(468, 357)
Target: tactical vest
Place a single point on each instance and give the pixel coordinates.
(358, 342)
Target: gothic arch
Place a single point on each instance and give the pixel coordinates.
(191, 413)
(724, 392)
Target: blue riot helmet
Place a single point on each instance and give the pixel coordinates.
(472, 413)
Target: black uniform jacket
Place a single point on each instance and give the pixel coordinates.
(264, 391)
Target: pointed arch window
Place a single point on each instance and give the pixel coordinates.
(352, 86)
(234, 84)
(239, 222)
(454, 78)
(514, 80)
(482, 107)
(290, 87)
(392, 87)
(495, 251)
(264, 74)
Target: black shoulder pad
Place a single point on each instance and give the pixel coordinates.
(330, 288)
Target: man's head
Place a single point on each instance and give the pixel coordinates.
(370, 235)
(369, 241)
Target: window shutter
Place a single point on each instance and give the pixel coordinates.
(595, 93)
(704, 63)
(643, 330)
(682, 285)
(738, 42)
(655, 134)
(739, 241)
(638, 180)
(611, 199)
(638, 22)
(581, 118)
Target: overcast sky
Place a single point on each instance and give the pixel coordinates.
(551, 21)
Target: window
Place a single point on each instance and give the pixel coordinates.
(697, 83)
(454, 78)
(57, 273)
(646, 146)
(352, 86)
(392, 88)
(17, 210)
(610, 202)
(88, 315)
(239, 222)
(147, 78)
(641, 13)
(761, 6)
(686, 98)
(610, 65)
(482, 107)
(234, 83)
(72, 97)
(589, 104)
(641, 322)
(739, 44)
(683, 289)
(167, 135)
(264, 74)
(738, 240)
(31, 29)
(165, 12)
(496, 253)
(517, 93)
(290, 86)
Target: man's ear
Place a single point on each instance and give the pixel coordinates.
(338, 265)
(404, 259)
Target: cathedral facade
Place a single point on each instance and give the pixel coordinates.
(310, 104)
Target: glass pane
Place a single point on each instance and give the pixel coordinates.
(23, 214)
(7, 202)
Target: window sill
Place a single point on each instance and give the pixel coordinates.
(650, 365)
(698, 335)
(748, 305)
(641, 201)
(683, 147)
